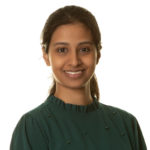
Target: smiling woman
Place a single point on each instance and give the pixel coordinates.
(76, 37)
(72, 117)
(72, 43)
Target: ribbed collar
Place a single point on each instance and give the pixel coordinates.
(74, 108)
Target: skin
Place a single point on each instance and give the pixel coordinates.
(69, 57)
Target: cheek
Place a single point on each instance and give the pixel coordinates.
(56, 63)
(90, 61)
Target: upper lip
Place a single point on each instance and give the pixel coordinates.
(74, 70)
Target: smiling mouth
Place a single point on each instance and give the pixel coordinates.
(73, 71)
(75, 75)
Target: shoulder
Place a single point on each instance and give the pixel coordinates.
(125, 115)
(38, 113)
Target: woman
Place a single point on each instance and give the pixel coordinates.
(72, 117)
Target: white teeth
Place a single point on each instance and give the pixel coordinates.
(73, 72)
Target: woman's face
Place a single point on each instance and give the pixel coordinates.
(67, 51)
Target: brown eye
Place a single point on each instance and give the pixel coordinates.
(61, 50)
(86, 49)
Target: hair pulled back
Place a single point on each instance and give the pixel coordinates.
(72, 14)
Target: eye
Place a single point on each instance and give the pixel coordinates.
(86, 48)
(61, 50)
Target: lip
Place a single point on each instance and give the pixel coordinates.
(73, 70)
(74, 75)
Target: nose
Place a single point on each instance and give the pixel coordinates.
(74, 59)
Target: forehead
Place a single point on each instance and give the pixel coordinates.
(71, 32)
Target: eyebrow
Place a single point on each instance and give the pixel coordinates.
(64, 43)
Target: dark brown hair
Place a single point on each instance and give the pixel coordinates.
(70, 15)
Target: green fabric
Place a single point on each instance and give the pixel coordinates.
(55, 125)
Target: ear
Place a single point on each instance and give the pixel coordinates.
(98, 57)
(45, 57)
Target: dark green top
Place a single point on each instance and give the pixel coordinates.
(56, 125)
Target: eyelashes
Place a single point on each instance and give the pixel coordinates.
(59, 50)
